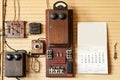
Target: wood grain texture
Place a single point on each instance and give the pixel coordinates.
(83, 11)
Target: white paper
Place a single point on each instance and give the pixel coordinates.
(92, 48)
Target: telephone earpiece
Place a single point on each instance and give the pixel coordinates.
(62, 16)
(9, 56)
(17, 56)
(53, 15)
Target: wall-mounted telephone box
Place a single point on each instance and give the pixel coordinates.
(59, 29)
(15, 64)
(59, 50)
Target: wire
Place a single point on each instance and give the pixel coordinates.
(18, 3)
(14, 10)
(4, 5)
(4, 15)
(33, 65)
(10, 47)
(4, 9)
(47, 3)
(40, 38)
(17, 78)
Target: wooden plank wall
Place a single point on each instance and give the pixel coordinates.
(84, 11)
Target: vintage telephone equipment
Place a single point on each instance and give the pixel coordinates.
(55, 16)
(15, 64)
(59, 64)
(38, 47)
(58, 22)
(59, 51)
(15, 56)
(60, 5)
(15, 29)
(35, 28)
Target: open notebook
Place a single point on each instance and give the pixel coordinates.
(92, 48)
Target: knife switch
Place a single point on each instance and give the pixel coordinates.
(15, 29)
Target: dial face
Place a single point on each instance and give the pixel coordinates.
(61, 4)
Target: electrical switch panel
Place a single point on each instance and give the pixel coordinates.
(15, 29)
(59, 49)
(15, 64)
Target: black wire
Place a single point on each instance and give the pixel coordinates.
(17, 78)
(31, 55)
(10, 47)
(4, 15)
(4, 9)
(4, 5)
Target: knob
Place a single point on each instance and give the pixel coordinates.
(62, 16)
(9, 56)
(17, 56)
(53, 15)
